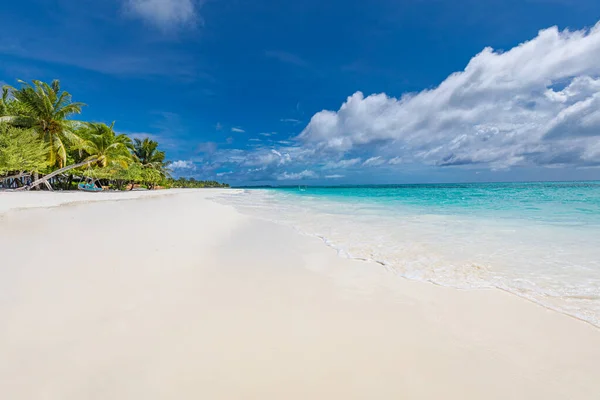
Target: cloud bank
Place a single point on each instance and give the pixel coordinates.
(535, 105)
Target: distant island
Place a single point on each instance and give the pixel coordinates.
(41, 146)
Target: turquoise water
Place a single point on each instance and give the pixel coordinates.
(569, 203)
(537, 240)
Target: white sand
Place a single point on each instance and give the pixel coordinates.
(21, 200)
(177, 297)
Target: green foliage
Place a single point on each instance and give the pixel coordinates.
(154, 167)
(4, 101)
(9, 107)
(37, 135)
(147, 153)
(21, 151)
(46, 109)
(193, 183)
(133, 173)
(151, 177)
(104, 146)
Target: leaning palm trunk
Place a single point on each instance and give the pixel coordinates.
(45, 179)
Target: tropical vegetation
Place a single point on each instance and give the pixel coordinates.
(193, 183)
(42, 144)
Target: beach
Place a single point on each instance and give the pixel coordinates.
(173, 295)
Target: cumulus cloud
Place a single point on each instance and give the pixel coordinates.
(182, 164)
(238, 130)
(165, 14)
(535, 104)
(294, 176)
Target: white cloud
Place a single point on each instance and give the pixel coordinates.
(341, 164)
(287, 176)
(267, 134)
(183, 164)
(291, 120)
(335, 176)
(218, 126)
(374, 161)
(265, 157)
(535, 104)
(254, 140)
(165, 14)
(239, 130)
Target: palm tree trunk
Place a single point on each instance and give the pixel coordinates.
(45, 179)
(36, 176)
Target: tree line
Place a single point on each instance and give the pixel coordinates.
(193, 183)
(41, 144)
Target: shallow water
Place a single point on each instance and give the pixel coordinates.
(540, 241)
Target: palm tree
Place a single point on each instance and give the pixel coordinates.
(152, 161)
(46, 109)
(148, 154)
(4, 101)
(101, 147)
(104, 146)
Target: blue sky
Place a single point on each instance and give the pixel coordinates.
(329, 92)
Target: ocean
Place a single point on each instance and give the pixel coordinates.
(538, 240)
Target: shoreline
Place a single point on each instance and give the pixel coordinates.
(305, 313)
(117, 196)
(337, 240)
(397, 274)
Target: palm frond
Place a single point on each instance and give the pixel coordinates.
(18, 120)
(56, 85)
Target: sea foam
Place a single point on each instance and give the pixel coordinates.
(538, 240)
